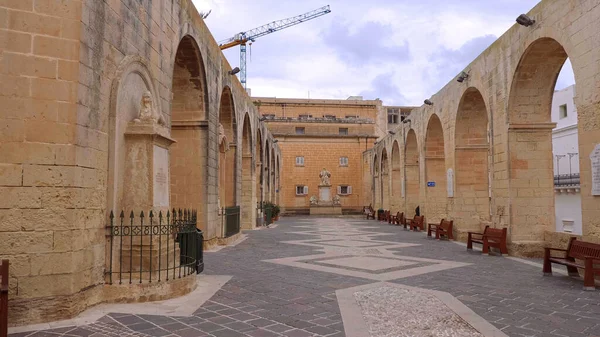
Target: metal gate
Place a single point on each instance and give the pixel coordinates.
(232, 221)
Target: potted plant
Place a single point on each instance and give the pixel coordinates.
(276, 211)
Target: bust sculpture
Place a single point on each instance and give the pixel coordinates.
(325, 175)
(336, 199)
(147, 112)
(313, 200)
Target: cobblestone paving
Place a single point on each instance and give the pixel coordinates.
(271, 299)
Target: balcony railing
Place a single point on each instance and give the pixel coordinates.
(562, 180)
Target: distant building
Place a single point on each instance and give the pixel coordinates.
(396, 114)
(322, 133)
(566, 162)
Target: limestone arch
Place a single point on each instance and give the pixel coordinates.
(412, 172)
(132, 78)
(248, 174)
(268, 169)
(530, 158)
(189, 155)
(396, 175)
(259, 172)
(277, 178)
(375, 183)
(273, 188)
(385, 180)
(435, 170)
(227, 150)
(471, 163)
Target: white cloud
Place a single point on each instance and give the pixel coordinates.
(399, 50)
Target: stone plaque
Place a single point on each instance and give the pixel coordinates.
(161, 176)
(595, 160)
(450, 181)
(324, 194)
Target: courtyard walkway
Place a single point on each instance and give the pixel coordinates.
(352, 277)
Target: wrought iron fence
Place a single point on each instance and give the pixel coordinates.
(154, 248)
(567, 179)
(232, 220)
(4, 298)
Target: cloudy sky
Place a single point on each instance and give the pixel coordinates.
(401, 51)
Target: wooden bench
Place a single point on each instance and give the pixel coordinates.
(4, 298)
(491, 237)
(416, 222)
(369, 212)
(587, 252)
(386, 216)
(399, 219)
(444, 228)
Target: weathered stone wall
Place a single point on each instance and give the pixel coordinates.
(73, 74)
(515, 79)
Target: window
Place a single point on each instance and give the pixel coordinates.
(304, 116)
(299, 161)
(329, 116)
(343, 131)
(351, 116)
(343, 161)
(269, 116)
(562, 110)
(301, 190)
(344, 190)
(300, 131)
(393, 115)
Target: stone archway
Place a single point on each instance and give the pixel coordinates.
(277, 179)
(412, 173)
(472, 206)
(435, 171)
(376, 184)
(267, 172)
(248, 176)
(385, 180)
(272, 176)
(188, 156)
(227, 150)
(531, 176)
(396, 195)
(260, 168)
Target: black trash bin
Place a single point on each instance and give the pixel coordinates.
(199, 251)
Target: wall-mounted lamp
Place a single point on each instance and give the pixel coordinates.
(275, 141)
(406, 120)
(375, 143)
(463, 76)
(392, 132)
(262, 119)
(428, 102)
(234, 71)
(524, 20)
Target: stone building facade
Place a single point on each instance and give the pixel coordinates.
(498, 120)
(114, 105)
(322, 133)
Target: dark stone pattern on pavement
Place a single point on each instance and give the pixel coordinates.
(268, 299)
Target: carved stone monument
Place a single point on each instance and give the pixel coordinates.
(595, 161)
(325, 204)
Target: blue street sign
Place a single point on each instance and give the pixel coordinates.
(431, 184)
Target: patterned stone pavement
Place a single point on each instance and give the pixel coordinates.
(285, 281)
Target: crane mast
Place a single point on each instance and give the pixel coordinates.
(251, 35)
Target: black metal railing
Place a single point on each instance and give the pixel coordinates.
(567, 179)
(232, 220)
(153, 248)
(4, 298)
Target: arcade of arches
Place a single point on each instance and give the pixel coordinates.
(481, 154)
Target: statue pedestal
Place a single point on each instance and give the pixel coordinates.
(324, 194)
(325, 205)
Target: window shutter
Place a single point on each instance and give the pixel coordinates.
(339, 189)
(305, 189)
(349, 189)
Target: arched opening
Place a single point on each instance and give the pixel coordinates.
(277, 179)
(396, 199)
(534, 171)
(413, 173)
(188, 156)
(268, 169)
(260, 168)
(435, 171)
(376, 184)
(273, 188)
(385, 180)
(247, 175)
(471, 162)
(227, 150)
